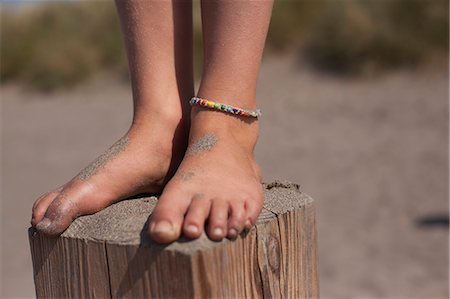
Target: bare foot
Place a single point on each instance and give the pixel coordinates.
(140, 162)
(218, 181)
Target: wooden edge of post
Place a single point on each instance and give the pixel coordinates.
(109, 254)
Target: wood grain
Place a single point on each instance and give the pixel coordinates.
(109, 255)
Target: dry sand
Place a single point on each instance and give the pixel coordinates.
(373, 153)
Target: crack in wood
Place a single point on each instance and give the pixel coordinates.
(275, 213)
(108, 269)
(285, 265)
(282, 258)
(258, 261)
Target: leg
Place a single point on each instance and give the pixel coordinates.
(218, 181)
(158, 39)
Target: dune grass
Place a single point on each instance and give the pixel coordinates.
(58, 45)
(359, 37)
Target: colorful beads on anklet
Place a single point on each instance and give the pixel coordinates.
(225, 108)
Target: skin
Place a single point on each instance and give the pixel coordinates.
(203, 160)
(102, 160)
(151, 150)
(226, 173)
(207, 142)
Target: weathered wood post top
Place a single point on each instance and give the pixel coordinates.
(109, 255)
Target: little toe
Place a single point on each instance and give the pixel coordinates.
(248, 224)
(253, 209)
(167, 217)
(41, 205)
(195, 218)
(217, 221)
(237, 219)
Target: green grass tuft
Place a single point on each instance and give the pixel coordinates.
(58, 45)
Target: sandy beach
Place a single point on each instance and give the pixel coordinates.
(372, 152)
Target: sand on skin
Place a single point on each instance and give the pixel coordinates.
(372, 152)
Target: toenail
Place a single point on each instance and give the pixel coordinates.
(233, 233)
(162, 226)
(218, 231)
(43, 224)
(248, 224)
(193, 229)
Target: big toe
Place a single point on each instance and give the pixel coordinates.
(60, 213)
(40, 206)
(167, 217)
(74, 200)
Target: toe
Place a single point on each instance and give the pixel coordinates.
(217, 221)
(74, 200)
(253, 208)
(195, 218)
(237, 218)
(40, 206)
(58, 216)
(167, 217)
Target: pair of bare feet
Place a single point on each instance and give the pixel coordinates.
(202, 164)
(201, 161)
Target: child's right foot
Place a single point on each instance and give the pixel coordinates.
(140, 162)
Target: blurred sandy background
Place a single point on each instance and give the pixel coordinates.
(355, 109)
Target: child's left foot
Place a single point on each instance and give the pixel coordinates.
(218, 181)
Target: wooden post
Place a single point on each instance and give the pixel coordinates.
(109, 255)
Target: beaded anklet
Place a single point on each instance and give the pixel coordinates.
(225, 108)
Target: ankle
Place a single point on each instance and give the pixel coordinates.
(167, 117)
(169, 107)
(242, 96)
(224, 120)
(243, 130)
